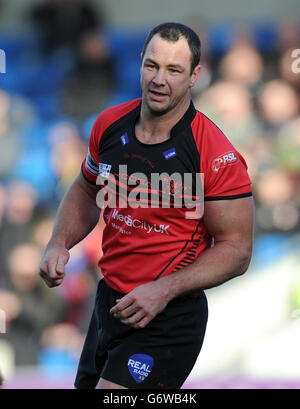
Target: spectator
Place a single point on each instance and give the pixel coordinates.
(276, 209)
(61, 23)
(61, 345)
(67, 152)
(243, 65)
(287, 147)
(229, 105)
(41, 232)
(28, 305)
(200, 26)
(278, 103)
(92, 79)
(19, 218)
(16, 113)
(78, 287)
(9, 139)
(288, 33)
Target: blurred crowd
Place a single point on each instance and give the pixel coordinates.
(60, 74)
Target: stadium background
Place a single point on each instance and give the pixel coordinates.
(66, 60)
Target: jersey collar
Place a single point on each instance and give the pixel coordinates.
(185, 120)
(182, 124)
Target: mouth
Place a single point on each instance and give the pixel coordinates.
(157, 95)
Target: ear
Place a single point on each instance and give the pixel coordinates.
(195, 75)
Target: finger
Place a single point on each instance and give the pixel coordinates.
(127, 312)
(56, 269)
(60, 266)
(43, 270)
(52, 269)
(44, 275)
(46, 279)
(57, 282)
(134, 319)
(142, 323)
(125, 302)
(53, 283)
(49, 281)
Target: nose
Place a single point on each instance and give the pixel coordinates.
(159, 78)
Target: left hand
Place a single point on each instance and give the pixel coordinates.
(141, 305)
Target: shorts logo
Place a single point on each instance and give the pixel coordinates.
(140, 366)
(223, 160)
(104, 170)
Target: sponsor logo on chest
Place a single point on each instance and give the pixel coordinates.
(140, 224)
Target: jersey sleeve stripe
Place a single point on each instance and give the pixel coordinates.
(232, 197)
(87, 176)
(91, 165)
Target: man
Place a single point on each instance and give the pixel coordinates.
(150, 313)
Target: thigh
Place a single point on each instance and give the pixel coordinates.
(103, 333)
(162, 354)
(104, 384)
(88, 372)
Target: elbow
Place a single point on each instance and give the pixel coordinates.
(245, 259)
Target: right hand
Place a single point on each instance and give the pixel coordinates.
(52, 267)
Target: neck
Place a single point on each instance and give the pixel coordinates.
(157, 128)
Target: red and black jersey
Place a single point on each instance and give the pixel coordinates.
(144, 243)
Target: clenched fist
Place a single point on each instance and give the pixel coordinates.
(52, 267)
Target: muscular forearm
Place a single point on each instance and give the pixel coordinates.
(215, 266)
(77, 215)
(231, 225)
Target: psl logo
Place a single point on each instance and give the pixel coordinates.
(2, 62)
(224, 160)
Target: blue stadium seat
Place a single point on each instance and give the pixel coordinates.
(220, 38)
(266, 37)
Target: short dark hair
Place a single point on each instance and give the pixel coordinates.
(172, 32)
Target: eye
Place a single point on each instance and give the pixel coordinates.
(149, 65)
(174, 71)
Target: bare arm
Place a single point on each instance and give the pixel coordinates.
(77, 214)
(76, 217)
(230, 222)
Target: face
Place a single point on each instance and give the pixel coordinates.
(166, 77)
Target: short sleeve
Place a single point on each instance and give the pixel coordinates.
(90, 165)
(224, 168)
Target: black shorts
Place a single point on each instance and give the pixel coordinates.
(161, 355)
